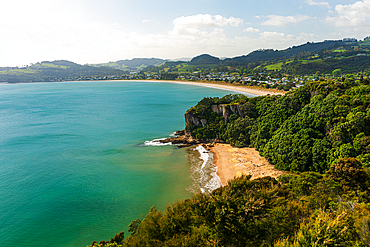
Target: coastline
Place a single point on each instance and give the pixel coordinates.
(230, 162)
(236, 88)
(234, 162)
(212, 84)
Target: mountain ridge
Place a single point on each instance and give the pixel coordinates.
(350, 55)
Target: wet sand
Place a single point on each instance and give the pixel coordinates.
(233, 162)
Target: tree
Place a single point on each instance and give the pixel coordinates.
(337, 72)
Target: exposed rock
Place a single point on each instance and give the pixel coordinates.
(237, 110)
(221, 110)
(181, 141)
(227, 110)
(191, 119)
(186, 141)
(180, 133)
(204, 122)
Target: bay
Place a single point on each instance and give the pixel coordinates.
(73, 167)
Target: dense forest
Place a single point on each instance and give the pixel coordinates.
(309, 209)
(305, 130)
(320, 132)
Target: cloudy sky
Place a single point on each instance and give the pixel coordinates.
(96, 31)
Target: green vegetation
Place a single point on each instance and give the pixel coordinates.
(321, 130)
(351, 56)
(309, 209)
(52, 71)
(275, 66)
(305, 130)
(133, 65)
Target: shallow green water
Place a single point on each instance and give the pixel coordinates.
(73, 167)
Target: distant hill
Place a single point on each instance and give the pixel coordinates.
(350, 55)
(182, 59)
(204, 59)
(268, 54)
(132, 65)
(51, 71)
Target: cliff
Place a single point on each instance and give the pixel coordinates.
(223, 110)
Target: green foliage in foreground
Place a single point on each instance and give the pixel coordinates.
(321, 130)
(309, 209)
(305, 130)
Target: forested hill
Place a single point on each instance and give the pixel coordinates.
(305, 130)
(132, 65)
(348, 55)
(270, 54)
(322, 130)
(55, 70)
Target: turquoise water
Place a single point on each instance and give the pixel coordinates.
(73, 167)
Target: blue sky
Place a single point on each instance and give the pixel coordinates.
(97, 31)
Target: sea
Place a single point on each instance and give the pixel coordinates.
(79, 160)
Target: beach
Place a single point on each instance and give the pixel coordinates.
(233, 162)
(236, 88)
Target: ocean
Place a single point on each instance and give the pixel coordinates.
(74, 164)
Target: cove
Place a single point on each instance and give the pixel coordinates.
(73, 167)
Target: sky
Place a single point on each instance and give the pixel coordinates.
(99, 31)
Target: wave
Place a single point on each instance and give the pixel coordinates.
(156, 143)
(203, 171)
(209, 180)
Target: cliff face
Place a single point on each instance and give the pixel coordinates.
(193, 120)
(227, 110)
(222, 110)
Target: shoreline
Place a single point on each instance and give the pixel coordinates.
(232, 162)
(219, 85)
(212, 84)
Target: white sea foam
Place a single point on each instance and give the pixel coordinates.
(174, 134)
(156, 142)
(209, 178)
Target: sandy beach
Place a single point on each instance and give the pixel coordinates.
(236, 88)
(233, 162)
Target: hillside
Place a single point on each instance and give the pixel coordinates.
(269, 54)
(321, 129)
(350, 56)
(204, 59)
(307, 129)
(54, 71)
(345, 56)
(132, 65)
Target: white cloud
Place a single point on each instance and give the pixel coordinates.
(50, 30)
(282, 40)
(354, 16)
(283, 21)
(322, 4)
(251, 30)
(146, 20)
(206, 20)
(198, 25)
(270, 36)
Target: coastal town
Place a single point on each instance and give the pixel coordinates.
(264, 80)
